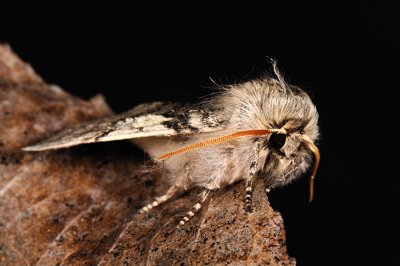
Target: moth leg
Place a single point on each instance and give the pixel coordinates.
(159, 200)
(195, 209)
(249, 180)
(248, 195)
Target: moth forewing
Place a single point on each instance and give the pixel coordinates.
(156, 119)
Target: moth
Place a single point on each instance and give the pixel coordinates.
(264, 128)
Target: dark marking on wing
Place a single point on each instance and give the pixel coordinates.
(195, 119)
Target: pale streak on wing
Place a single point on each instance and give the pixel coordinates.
(146, 120)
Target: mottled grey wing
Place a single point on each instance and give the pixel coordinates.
(146, 120)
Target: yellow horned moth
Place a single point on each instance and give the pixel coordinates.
(263, 128)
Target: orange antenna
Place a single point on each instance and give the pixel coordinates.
(315, 150)
(215, 141)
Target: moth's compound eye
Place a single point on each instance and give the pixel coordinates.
(277, 140)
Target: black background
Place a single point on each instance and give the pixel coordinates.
(342, 54)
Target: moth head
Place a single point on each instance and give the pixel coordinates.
(285, 154)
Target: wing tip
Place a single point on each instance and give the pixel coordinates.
(35, 148)
(52, 145)
(43, 146)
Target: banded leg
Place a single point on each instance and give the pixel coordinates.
(249, 181)
(195, 209)
(249, 195)
(170, 193)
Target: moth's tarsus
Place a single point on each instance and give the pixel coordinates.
(195, 209)
(248, 196)
(159, 200)
(249, 180)
(248, 206)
